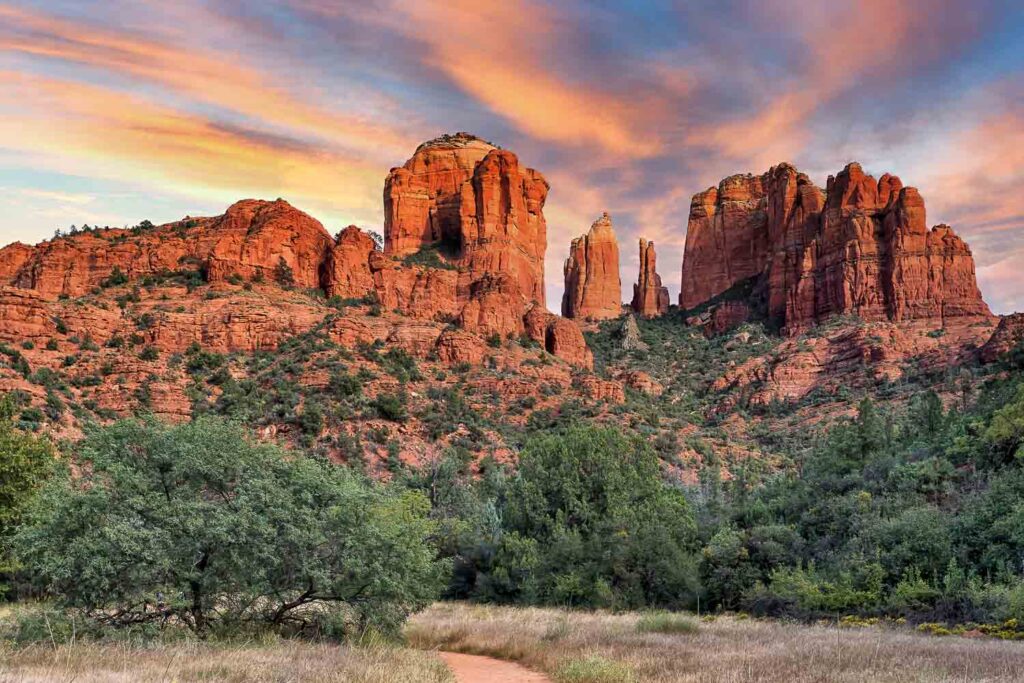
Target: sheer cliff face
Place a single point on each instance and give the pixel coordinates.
(593, 288)
(474, 201)
(860, 247)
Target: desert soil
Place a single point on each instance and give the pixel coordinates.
(476, 669)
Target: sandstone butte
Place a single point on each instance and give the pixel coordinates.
(650, 298)
(465, 238)
(859, 247)
(593, 288)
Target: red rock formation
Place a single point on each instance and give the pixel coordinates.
(422, 198)
(603, 389)
(251, 239)
(560, 337)
(861, 247)
(721, 317)
(1008, 335)
(256, 238)
(593, 289)
(475, 202)
(23, 315)
(650, 299)
(347, 272)
(641, 381)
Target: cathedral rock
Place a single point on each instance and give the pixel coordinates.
(593, 289)
(859, 247)
(465, 238)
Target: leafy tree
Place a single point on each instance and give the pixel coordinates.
(25, 463)
(590, 520)
(198, 524)
(1006, 431)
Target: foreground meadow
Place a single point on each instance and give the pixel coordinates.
(295, 662)
(582, 647)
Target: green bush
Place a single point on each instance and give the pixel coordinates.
(391, 407)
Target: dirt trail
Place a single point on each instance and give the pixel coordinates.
(476, 669)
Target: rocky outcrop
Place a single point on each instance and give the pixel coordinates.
(422, 198)
(629, 335)
(477, 211)
(721, 317)
(347, 272)
(253, 239)
(593, 289)
(1007, 336)
(23, 316)
(269, 240)
(650, 298)
(860, 247)
(559, 337)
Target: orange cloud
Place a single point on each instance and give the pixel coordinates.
(504, 55)
(867, 40)
(103, 133)
(195, 72)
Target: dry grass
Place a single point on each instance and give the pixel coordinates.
(187, 662)
(578, 647)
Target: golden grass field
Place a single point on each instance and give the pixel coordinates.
(187, 662)
(573, 647)
(582, 647)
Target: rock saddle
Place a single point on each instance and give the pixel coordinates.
(650, 298)
(859, 247)
(593, 288)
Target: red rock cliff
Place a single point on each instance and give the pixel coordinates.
(593, 289)
(477, 204)
(860, 247)
(251, 239)
(650, 299)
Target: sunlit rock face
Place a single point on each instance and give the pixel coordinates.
(593, 288)
(861, 247)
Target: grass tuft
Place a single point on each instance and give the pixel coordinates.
(594, 670)
(666, 622)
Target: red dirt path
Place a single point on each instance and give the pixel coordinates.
(476, 669)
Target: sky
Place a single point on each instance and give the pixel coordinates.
(116, 111)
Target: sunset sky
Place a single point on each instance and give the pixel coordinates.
(111, 111)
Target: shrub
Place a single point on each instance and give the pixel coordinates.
(115, 279)
(391, 407)
(605, 529)
(149, 353)
(283, 273)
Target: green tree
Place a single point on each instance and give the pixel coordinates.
(1006, 430)
(226, 531)
(607, 529)
(25, 463)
